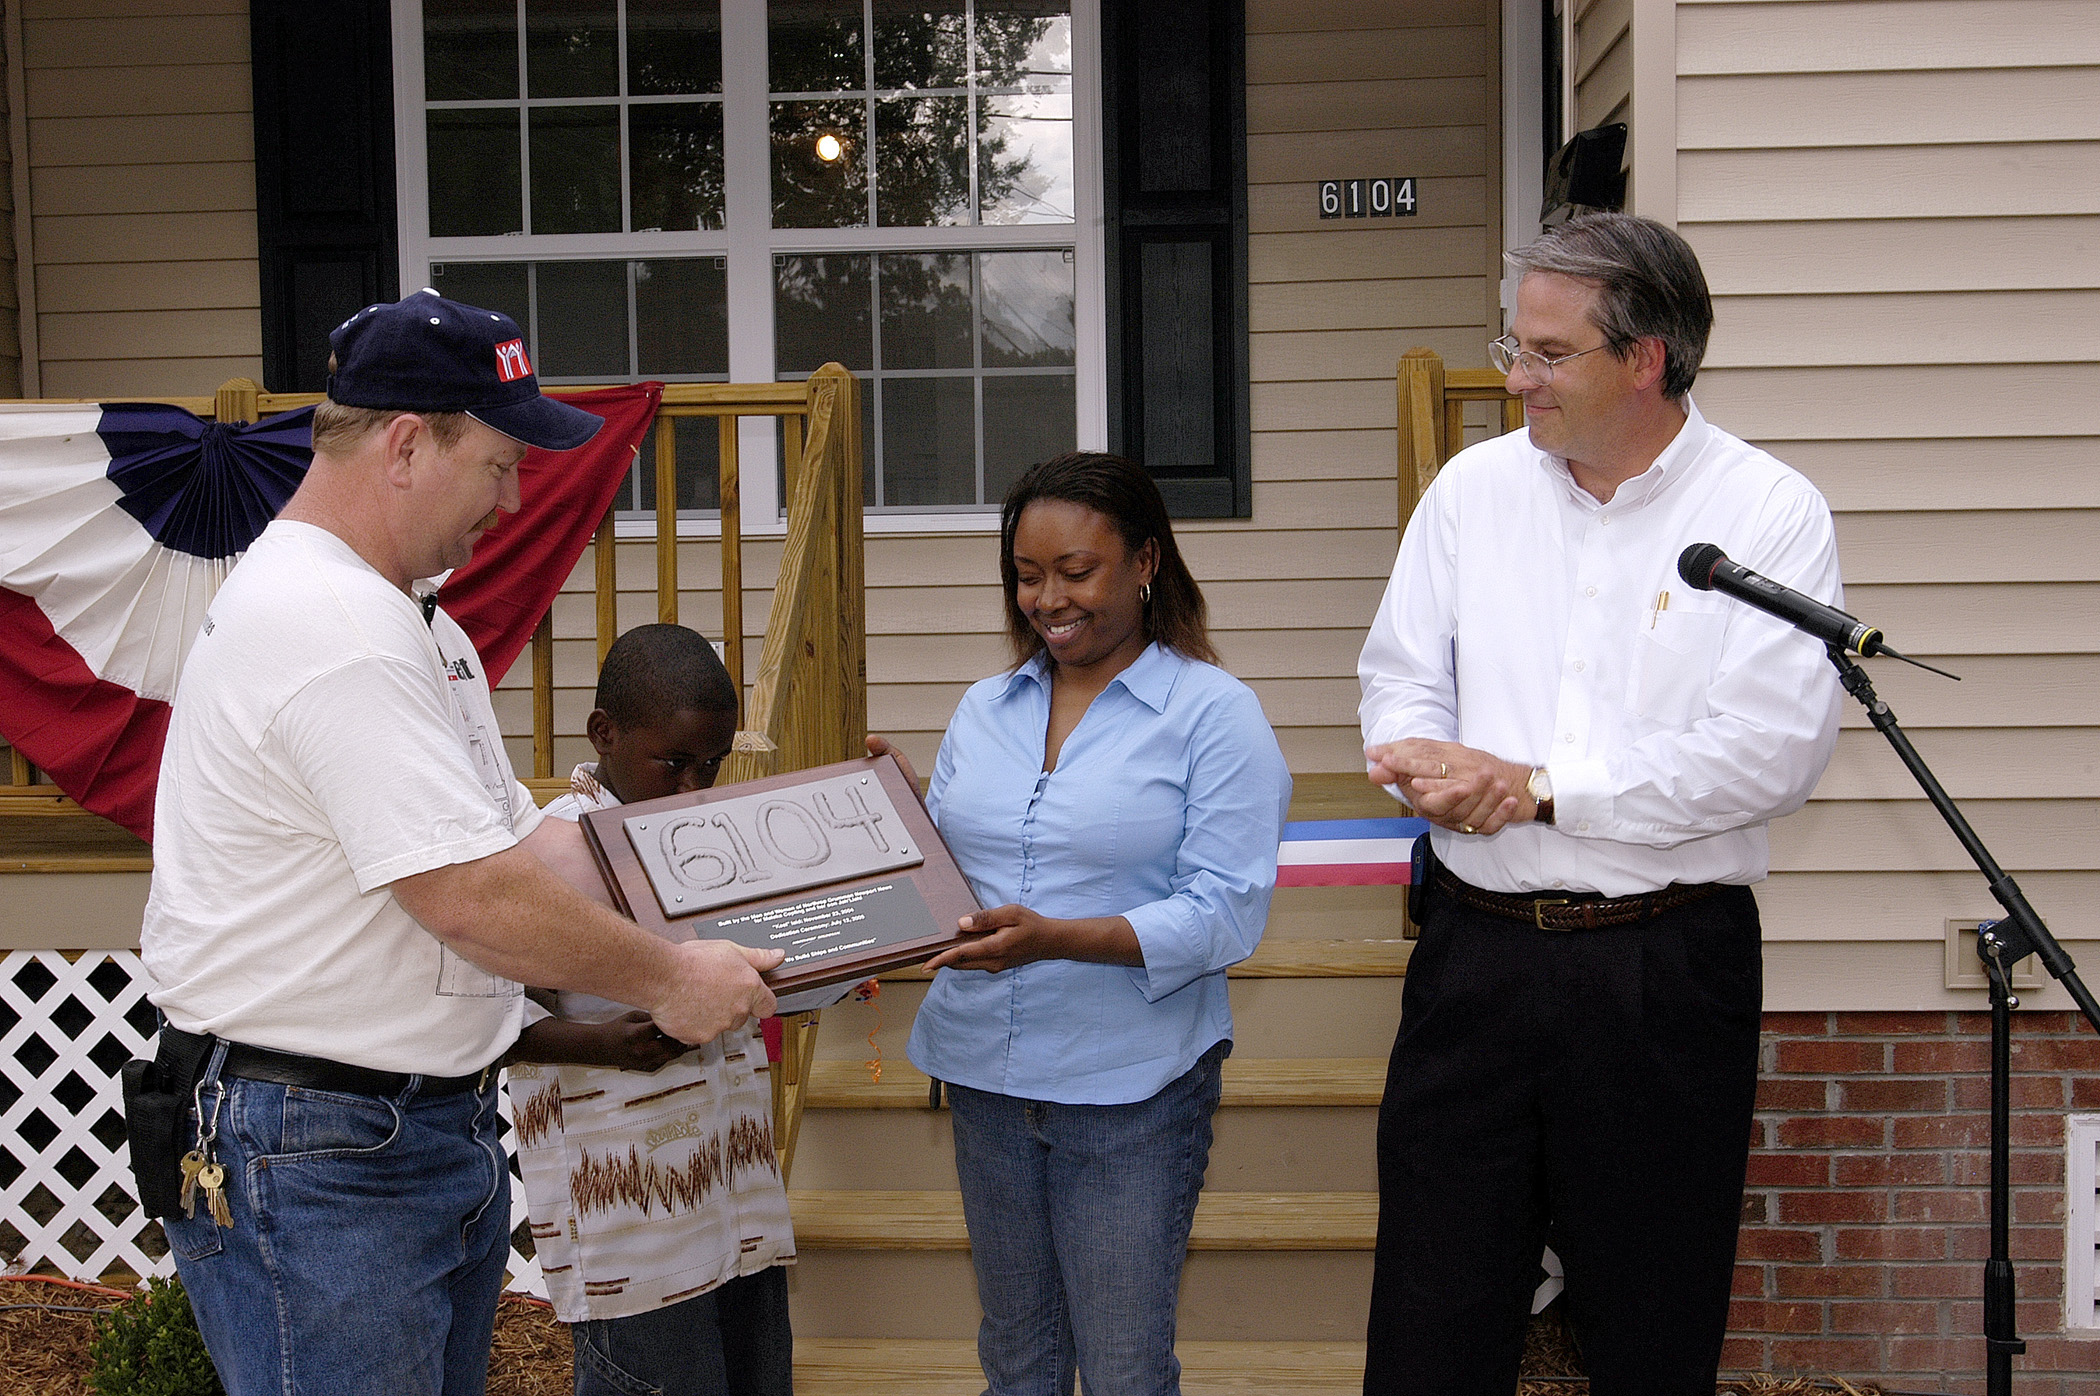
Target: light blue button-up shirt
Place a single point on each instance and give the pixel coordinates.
(1165, 808)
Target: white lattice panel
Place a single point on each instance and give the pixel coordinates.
(67, 1026)
(67, 1200)
(524, 1271)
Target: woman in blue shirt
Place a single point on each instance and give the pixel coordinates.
(1116, 801)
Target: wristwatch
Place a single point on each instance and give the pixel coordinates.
(1540, 788)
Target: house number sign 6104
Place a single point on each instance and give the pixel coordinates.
(769, 844)
(1367, 198)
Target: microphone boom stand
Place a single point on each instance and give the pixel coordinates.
(2000, 945)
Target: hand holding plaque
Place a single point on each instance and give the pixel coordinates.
(839, 867)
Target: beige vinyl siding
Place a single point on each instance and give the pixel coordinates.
(1835, 36)
(142, 195)
(1601, 56)
(1895, 206)
(10, 295)
(1396, 88)
(1598, 47)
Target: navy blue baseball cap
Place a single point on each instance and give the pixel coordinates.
(424, 353)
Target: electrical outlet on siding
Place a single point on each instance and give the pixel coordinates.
(1965, 971)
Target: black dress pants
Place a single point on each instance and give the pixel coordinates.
(1599, 1083)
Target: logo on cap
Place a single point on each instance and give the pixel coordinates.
(511, 363)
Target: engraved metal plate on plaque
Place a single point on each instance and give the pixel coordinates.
(770, 844)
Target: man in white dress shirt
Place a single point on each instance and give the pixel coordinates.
(1600, 749)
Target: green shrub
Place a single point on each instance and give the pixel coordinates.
(149, 1346)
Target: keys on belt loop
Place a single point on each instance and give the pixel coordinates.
(200, 1169)
(1538, 911)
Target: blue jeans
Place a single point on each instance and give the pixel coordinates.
(1079, 1222)
(367, 1246)
(733, 1340)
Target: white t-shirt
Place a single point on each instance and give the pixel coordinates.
(326, 742)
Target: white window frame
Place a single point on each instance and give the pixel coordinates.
(749, 241)
(1523, 120)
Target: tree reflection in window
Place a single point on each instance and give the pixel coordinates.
(966, 359)
(584, 132)
(943, 115)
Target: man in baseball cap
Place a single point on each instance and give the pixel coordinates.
(428, 354)
(350, 885)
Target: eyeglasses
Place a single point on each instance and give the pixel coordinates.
(1537, 367)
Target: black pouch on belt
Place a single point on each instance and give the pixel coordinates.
(156, 1095)
(1418, 877)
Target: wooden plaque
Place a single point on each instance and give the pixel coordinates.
(839, 866)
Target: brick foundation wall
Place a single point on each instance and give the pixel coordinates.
(1866, 1214)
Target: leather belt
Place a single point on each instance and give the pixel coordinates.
(321, 1074)
(1575, 911)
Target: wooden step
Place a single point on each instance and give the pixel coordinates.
(1340, 795)
(948, 1367)
(1294, 957)
(841, 1084)
(843, 1219)
(1353, 1017)
(35, 842)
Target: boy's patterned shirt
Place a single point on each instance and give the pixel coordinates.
(647, 1188)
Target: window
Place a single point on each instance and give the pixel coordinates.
(613, 321)
(939, 112)
(930, 115)
(969, 358)
(657, 189)
(572, 116)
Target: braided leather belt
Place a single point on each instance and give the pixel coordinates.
(1579, 911)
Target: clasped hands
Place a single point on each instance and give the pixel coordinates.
(1454, 787)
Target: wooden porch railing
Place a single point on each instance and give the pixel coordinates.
(807, 704)
(1432, 403)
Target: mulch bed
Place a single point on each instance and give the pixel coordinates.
(1552, 1366)
(44, 1352)
(532, 1352)
(44, 1349)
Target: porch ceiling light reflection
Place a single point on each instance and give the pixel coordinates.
(829, 148)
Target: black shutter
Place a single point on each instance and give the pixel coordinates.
(1174, 115)
(324, 175)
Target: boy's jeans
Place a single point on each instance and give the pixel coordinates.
(734, 1340)
(1079, 1221)
(367, 1245)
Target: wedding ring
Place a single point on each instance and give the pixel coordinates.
(1442, 769)
(1467, 829)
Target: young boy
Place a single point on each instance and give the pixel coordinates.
(658, 1212)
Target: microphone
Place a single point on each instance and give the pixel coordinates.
(1705, 567)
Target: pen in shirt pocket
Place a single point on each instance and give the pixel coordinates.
(1662, 603)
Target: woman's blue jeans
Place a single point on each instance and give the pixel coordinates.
(367, 1246)
(1079, 1222)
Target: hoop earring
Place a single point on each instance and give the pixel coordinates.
(1145, 594)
